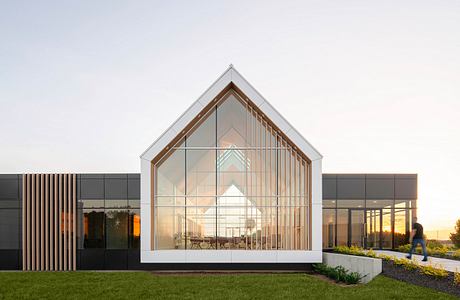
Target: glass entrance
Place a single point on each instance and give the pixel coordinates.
(356, 228)
(373, 228)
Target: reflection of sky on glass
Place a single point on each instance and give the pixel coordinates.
(374, 85)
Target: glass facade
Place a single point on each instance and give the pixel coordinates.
(370, 211)
(232, 181)
(108, 211)
(109, 216)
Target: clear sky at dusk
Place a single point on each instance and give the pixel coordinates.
(87, 86)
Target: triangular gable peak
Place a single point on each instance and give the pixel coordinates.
(230, 82)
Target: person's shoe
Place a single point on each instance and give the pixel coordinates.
(425, 259)
(408, 257)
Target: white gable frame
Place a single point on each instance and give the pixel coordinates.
(230, 76)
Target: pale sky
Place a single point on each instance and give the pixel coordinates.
(87, 86)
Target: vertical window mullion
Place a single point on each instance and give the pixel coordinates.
(216, 178)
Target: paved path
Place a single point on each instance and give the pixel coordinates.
(448, 264)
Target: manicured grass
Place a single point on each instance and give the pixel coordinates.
(144, 285)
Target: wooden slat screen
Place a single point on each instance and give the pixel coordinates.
(48, 223)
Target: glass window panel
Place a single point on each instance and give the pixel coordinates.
(134, 203)
(342, 227)
(249, 221)
(357, 229)
(292, 228)
(9, 229)
(231, 123)
(350, 203)
(170, 201)
(373, 218)
(329, 203)
(93, 228)
(201, 228)
(201, 172)
(379, 204)
(134, 228)
(402, 226)
(92, 203)
(232, 165)
(170, 228)
(171, 174)
(116, 203)
(328, 228)
(10, 203)
(387, 236)
(247, 227)
(200, 201)
(116, 228)
(282, 167)
(405, 203)
(204, 134)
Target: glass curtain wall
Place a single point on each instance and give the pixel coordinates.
(232, 182)
(376, 223)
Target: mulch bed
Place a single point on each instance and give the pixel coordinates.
(446, 285)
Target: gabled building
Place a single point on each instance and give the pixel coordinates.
(230, 185)
(231, 181)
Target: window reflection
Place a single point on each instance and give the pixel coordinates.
(134, 228)
(328, 228)
(93, 224)
(342, 227)
(117, 229)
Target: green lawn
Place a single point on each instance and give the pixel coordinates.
(143, 285)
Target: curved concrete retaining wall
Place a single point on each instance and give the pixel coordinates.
(366, 266)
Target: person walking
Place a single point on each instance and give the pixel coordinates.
(416, 237)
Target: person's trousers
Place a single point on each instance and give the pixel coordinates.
(415, 242)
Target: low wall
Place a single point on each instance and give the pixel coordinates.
(366, 266)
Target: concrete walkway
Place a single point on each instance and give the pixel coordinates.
(448, 264)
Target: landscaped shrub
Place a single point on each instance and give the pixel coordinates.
(339, 274)
(437, 272)
(411, 265)
(456, 254)
(404, 248)
(406, 264)
(433, 244)
(371, 253)
(457, 278)
(387, 257)
(434, 250)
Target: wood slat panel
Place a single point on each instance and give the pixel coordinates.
(51, 226)
(24, 222)
(64, 221)
(49, 222)
(42, 222)
(56, 222)
(32, 224)
(74, 221)
(60, 221)
(47, 197)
